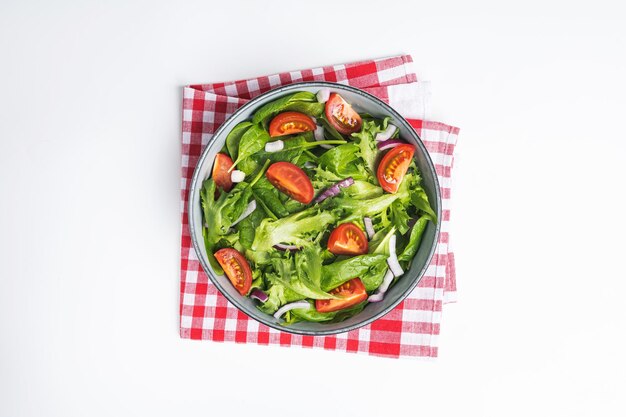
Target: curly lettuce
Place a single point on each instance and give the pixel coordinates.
(296, 229)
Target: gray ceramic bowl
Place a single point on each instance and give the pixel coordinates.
(362, 102)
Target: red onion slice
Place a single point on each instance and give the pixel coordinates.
(329, 192)
(323, 95)
(237, 176)
(369, 227)
(388, 144)
(334, 190)
(277, 145)
(259, 295)
(319, 135)
(387, 133)
(384, 286)
(284, 247)
(386, 282)
(345, 183)
(376, 297)
(392, 261)
(291, 306)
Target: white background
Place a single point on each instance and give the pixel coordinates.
(90, 96)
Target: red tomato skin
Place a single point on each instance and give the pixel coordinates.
(236, 268)
(220, 173)
(341, 115)
(393, 167)
(347, 239)
(289, 123)
(291, 180)
(353, 292)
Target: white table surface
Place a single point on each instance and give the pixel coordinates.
(89, 215)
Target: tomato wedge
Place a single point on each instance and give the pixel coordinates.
(347, 239)
(393, 166)
(341, 115)
(236, 268)
(290, 180)
(220, 173)
(289, 123)
(351, 293)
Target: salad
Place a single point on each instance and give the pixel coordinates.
(313, 209)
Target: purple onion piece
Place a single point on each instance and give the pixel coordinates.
(334, 190)
(259, 295)
(388, 144)
(346, 183)
(281, 246)
(329, 192)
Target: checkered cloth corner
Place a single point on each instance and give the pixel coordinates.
(412, 328)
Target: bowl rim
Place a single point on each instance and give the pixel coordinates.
(193, 189)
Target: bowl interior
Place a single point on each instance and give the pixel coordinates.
(362, 102)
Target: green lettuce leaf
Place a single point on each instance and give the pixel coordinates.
(366, 141)
(233, 138)
(354, 210)
(294, 148)
(362, 190)
(314, 109)
(341, 162)
(295, 229)
(374, 276)
(282, 104)
(380, 242)
(335, 274)
(399, 216)
(415, 239)
(411, 191)
(247, 227)
(268, 196)
(257, 280)
(220, 214)
(308, 263)
(278, 295)
(304, 282)
(419, 199)
(252, 141)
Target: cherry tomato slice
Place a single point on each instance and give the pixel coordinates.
(393, 166)
(236, 268)
(290, 180)
(289, 123)
(220, 173)
(352, 292)
(347, 239)
(342, 116)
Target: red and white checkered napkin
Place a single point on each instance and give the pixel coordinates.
(412, 328)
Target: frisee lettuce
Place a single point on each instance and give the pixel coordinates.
(296, 229)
